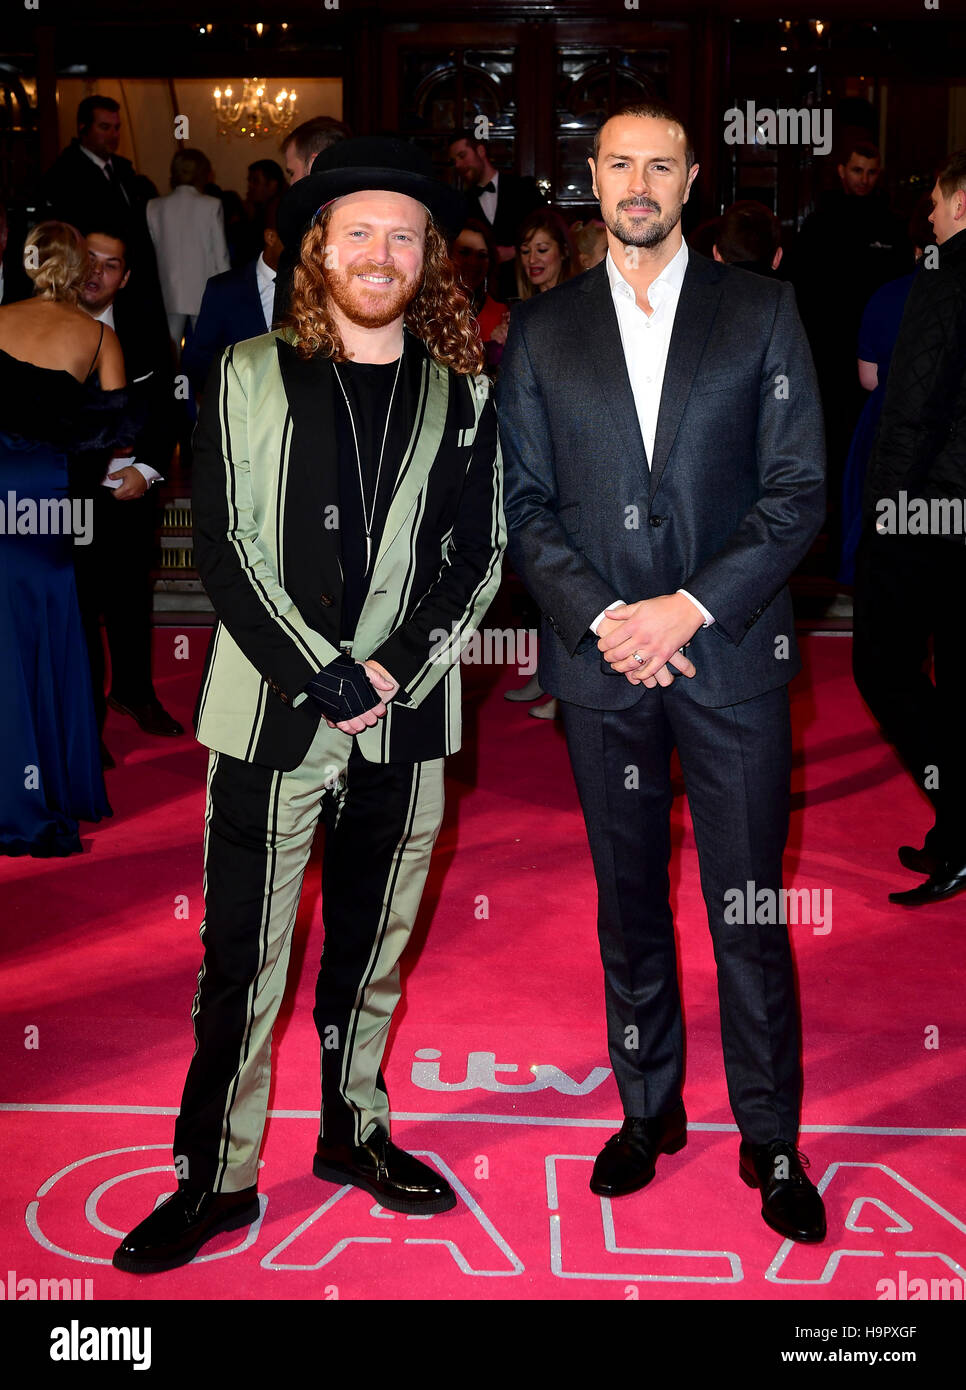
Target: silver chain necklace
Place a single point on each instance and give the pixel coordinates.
(368, 520)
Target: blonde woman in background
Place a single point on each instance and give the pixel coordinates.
(188, 230)
(590, 239)
(52, 411)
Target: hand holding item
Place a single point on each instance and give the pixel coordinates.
(132, 484)
(346, 696)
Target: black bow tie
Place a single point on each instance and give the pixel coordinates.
(488, 187)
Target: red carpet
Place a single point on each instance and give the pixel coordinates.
(497, 1066)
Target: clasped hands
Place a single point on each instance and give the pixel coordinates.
(654, 628)
(352, 695)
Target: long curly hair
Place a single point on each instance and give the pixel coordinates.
(440, 314)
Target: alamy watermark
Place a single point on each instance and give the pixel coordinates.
(903, 515)
(490, 646)
(786, 125)
(47, 516)
(14, 1289)
(915, 1289)
(810, 907)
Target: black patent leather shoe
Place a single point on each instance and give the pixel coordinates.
(176, 1230)
(628, 1160)
(152, 717)
(398, 1181)
(945, 882)
(790, 1204)
(918, 861)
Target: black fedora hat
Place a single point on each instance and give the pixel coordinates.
(369, 164)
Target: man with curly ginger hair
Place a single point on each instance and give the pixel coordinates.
(348, 511)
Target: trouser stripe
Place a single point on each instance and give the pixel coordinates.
(270, 867)
(376, 951)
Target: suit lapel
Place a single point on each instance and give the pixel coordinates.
(253, 299)
(425, 390)
(312, 479)
(697, 305)
(597, 326)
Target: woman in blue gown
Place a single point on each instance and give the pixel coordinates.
(52, 412)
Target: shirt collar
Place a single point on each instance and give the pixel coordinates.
(670, 279)
(263, 271)
(106, 316)
(101, 163)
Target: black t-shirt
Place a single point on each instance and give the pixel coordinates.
(368, 386)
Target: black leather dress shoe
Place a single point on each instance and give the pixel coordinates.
(627, 1161)
(176, 1230)
(790, 1204)
(152, 717)
(398, 1181)
(945, 882)
(918, 861)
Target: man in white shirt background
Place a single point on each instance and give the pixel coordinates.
(114, 571)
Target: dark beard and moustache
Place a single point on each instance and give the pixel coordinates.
(650, 233)
(376, 308)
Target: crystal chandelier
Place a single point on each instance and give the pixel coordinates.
(253, 114)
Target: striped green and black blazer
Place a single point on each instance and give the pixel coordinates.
(264, 488)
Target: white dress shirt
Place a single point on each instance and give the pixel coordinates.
(265, 278)
(645, 339)
(149, 474)
(488, 200)
(96, 159)
(102, 165)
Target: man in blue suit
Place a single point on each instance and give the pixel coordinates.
(237, 305)
(662, 435)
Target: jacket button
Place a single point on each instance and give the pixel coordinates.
(326, 600)
(655, 520)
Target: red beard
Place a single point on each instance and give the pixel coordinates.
(366, 306)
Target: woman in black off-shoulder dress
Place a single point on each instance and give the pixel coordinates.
(52, 412)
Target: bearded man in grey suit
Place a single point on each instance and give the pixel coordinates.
(662, 440)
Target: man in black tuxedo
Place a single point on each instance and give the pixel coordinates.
(662, 434)
(114, 571)
(496, 197)
(237, 304)
(91, 185)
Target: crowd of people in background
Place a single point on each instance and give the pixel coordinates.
(121, 292)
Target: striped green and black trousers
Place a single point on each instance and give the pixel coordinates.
(381, 823)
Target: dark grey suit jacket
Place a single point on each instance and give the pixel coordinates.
(733, 498)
